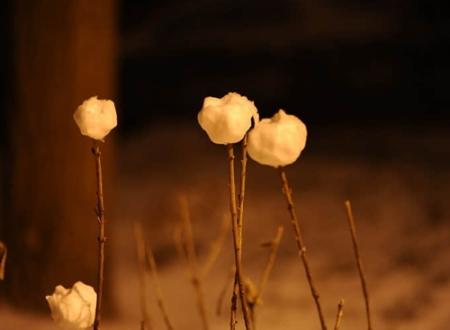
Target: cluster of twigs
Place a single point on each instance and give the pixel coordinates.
(243, 290)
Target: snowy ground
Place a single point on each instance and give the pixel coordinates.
(397, 181)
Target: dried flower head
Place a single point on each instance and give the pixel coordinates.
(277, 141)
(73, 308)
(226, 120)
(96, 118)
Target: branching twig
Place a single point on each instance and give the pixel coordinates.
(236, 236)
(100, 211)
(274, 245)
(287, 192)
(340, 313)
(140, 249)
(157, 286)
(271, 261)
(191, 256)
(351, 223)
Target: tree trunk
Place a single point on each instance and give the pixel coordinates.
(65, 52)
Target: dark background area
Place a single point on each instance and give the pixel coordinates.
(330, 62)
(327, 61)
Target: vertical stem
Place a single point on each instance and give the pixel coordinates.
(240, 220)
(351, 223)
(100, 211)
(236, 234)
(191, 256)
(287, 192)
(340, 313)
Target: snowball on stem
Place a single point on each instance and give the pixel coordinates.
(226, 120)
(96, 118)
(277, 141)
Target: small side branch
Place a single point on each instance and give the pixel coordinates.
(189, 249)
(287, 192)
(216, 247)
(143, 289)
(150, 258)
(351, 224)
(340, 313)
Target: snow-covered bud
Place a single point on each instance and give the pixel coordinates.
(277, 141)
(227, 120)
(96, 118)
(73, 308)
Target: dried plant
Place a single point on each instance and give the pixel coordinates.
(352, 227)
(287, 192)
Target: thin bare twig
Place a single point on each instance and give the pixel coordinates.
(191, 256)
(351, 223)
(271, 261)
(229, 282)
(140, 249)
(287, 192)
(254, 300)
(340, 313)
(216, 247)
(236, 237)
(100, 212)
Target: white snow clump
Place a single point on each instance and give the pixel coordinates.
(226, 120)
(73, 308)
(96, 118)
(277, 141)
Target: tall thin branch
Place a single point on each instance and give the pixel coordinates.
(287, 192)
(351, 223)
(191, 256)
(340, 313)
(236, 236)
(100, 212)
(143, 289)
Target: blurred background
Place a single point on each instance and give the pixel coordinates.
(369, 79)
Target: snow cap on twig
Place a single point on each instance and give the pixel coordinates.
(277, 141)
(226, 120)
(96, 118)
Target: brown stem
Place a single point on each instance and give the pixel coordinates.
(351, 223)
(287, 192)
(191, 256)
(340, 313)
(140, 249)
(100, 211)
(229, 282)
(236, 234)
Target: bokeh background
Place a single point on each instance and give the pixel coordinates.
(369, 78)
